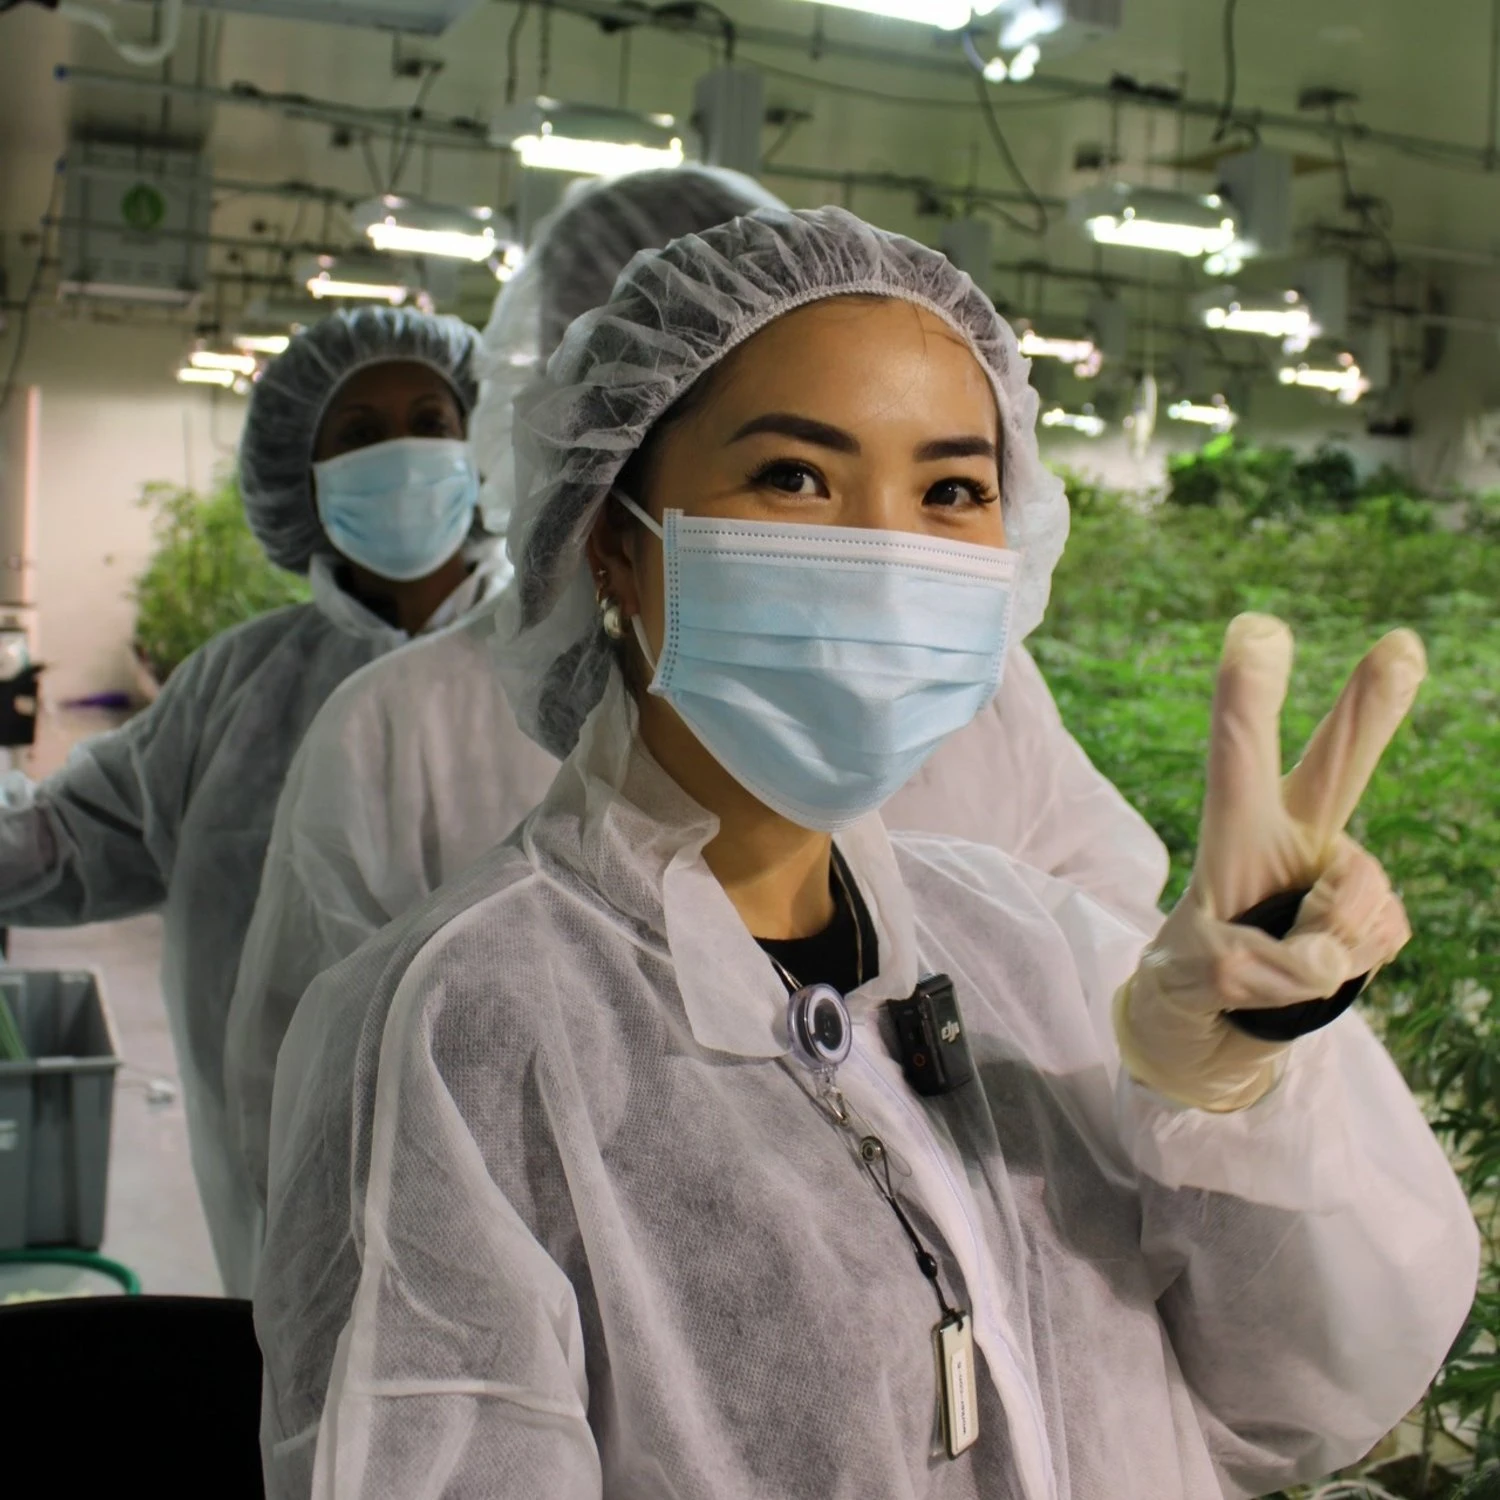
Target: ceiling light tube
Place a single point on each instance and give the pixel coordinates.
(1023, 64)
(946, 15)
(550, 152)
(1283, 316)
(391, 238)
(409, 226)
(194, 375)
(1085, 422)
(1071, 351)
(212, 359)
(1345, 380)
(1216, 414)
(588, 140)
(1154, 219)
(261, 343)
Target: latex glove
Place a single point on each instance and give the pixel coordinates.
(1262, 835)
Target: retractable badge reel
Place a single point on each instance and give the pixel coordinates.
(821, 1037)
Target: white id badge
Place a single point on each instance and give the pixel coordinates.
(957, 1388)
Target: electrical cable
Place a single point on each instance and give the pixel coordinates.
(987, 108)
(512, 50)
(414, 115)
(141, 55)
(1231, 72)
(690, 10)
(23, 323)
(1363, 204)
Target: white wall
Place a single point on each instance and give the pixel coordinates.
(112, 419)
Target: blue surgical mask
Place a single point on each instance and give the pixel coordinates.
(400, 509)
(821, 665)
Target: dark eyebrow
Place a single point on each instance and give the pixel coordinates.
(956, 447)
(790, 425)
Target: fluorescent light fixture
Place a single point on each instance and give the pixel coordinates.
(1344, 380)
(559, 153)
(1082, 354)
(1030, 21)
(1023, 64)
(212, 359)
(508, 262)
(1229, 262)
(1085, 421)
(1154, 219)
(1216, 413)
(193, 375)
(1282, 315)
(261, 343)
(406, 226)
(588, 140)
(338, 276)
(451, 244)
(946, 15)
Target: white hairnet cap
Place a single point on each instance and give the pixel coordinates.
(290, 398)
(576, 255)
(676, 313)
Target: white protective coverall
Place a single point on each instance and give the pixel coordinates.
(174, 810)
(554, 1214)
(416, 767)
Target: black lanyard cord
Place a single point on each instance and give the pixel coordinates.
(873, 1155)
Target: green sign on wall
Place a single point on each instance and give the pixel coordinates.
(143, 207)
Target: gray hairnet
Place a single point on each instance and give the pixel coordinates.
(675, 314)
(289, 399)
(576, 255)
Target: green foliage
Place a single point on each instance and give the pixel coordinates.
(1272, 481)
(1129, 647)
(208, 573)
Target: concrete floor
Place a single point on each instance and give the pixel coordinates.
(153, 1222)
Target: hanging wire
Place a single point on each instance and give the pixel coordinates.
(690, 10)
(544, 50)
(1231, 72)
(28, 302)
(513, 50)
(401, 148)
(1374, 212)
(992, 123)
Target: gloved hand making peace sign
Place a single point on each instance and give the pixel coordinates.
(1264, 835)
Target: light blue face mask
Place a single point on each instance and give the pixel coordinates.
(400, 509)
(821, 665)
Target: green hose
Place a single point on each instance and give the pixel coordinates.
(86, 1259)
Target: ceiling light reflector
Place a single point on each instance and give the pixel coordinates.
(1216, 413)
(1154, 219)
(588, 140)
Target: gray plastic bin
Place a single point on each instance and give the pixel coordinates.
(55, 1111)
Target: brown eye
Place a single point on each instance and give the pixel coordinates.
(789, 477)
(950, 494)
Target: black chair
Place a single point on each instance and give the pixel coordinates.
(119, 1395)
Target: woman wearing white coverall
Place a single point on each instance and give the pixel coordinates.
(556, 1206)
(174, 810)
(416, 766)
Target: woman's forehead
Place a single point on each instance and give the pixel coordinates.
(864, 355)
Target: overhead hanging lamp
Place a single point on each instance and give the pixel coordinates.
(1140, 218)
(587, 139)
(408, 226)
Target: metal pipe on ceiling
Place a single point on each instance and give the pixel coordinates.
(457, 133)
(898, 182)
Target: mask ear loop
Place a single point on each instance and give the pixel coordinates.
(661, 536)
